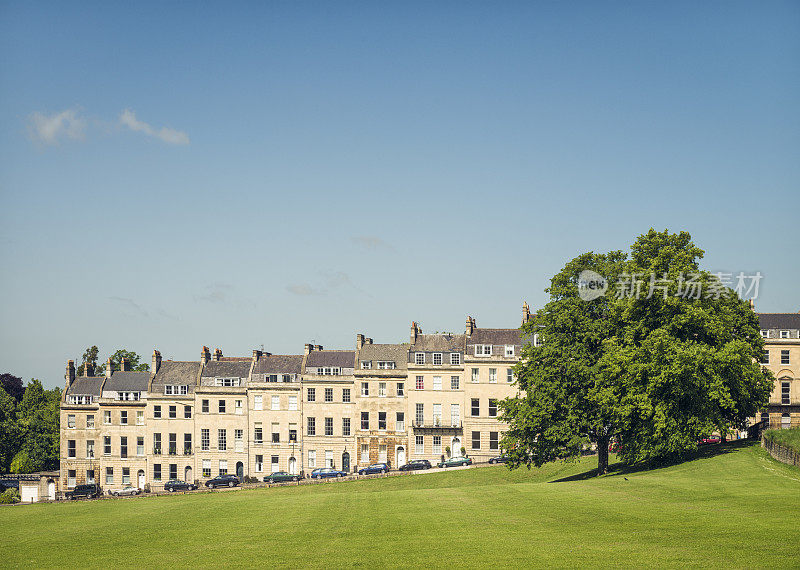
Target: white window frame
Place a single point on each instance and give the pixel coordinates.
(293, 403)
(366, 365)
(275, 403)
(455, 382)
(475, 374)
(387, 365)
(437, 382)
(483, 350)
(784, 334)
(419, 445)
(455, 358)
(71, 421)
(258, 402)
(382, 389)
(365, 389)
(764, 333)
(419, 358)
(493, 375)
(509, 352)
(436, 359)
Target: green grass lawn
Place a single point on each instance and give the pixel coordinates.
(732, 507)
(786, 437)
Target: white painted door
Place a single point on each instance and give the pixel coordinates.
(455, 447)
(51, 490)
(141, 479)
(293, 466)
(401, 456)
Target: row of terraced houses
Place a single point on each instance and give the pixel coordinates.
(434, 396)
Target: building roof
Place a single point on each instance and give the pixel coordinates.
(87, 386)
(438, 343)
(279, 364)
(340, 358)
(783, 321)
(227, 369)
(176, 372)
(385, 352)
(495, 336)
(127, 382)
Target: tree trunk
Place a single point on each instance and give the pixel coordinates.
(602, 455)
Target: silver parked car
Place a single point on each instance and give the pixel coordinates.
(128, 490)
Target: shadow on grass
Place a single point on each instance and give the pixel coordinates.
(703, 452)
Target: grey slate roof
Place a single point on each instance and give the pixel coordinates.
(495, 337)
(340, 358)
(388, 352)
(127, 382)
(783, 321)
(227, 369)
(87, 385)
(175, 372)
(279, 364)
(438, 343)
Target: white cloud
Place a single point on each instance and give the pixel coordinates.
(371, 242)
(170, 136)
(49, 129)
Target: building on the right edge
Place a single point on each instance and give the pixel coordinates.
(781, 334)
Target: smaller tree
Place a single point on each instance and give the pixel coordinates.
(12, 385)
(131, 357)
(89, 356)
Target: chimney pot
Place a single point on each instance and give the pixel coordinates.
(70, 375)
(309, 348)
(156, 361)
(318, 347)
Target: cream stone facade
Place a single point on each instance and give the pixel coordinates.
(263, 413)
(781, 334)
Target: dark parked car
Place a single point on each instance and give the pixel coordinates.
(415, 465)
(89, 491)
(499, 459)
(327, 473)
(177, 485)
(280, 477)
(455, 462)
(223, 481)
(374, 468)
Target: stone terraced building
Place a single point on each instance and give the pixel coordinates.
(433, 397)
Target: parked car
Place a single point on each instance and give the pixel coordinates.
(280, 477)
(375, 468)
(499, 459)
(415, 465)
(125, 491)
(177, 485)
(455, 462)
(327, 473)
(223, 481)
(711, 439)
(89, 491)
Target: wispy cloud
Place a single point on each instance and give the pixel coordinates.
(170, 136)
(216, 293)
(371, 242)
(129, 304)
(50, 129)
(329, 281)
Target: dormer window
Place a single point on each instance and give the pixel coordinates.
(128, 396)
(419, 358)
(764, 333)
(509, 350)
(81, 399)
(366, 365)
(328, 371)
(227, 382)
(175, 390)
(386, 365)
(437, 358)
(784, 334)
(483, 350)
(455, 358)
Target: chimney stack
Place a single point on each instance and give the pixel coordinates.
(318, 347)
(753, 305)
(124, 365)
(205, 355)
(256, 355)
(415, 331)
(217, 355)
(109, 371)
(526, 312)
(359, 341)
(70, 375)
(368, 341)
(156, 361)
(470, 326)
(88, 369)
(309, 348)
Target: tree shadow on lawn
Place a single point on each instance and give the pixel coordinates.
(703, 452)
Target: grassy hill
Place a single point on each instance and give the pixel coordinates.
(732, 507)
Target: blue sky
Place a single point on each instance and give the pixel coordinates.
(184, 174)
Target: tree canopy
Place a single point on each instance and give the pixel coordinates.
(29, 430)
(91, 354)
(666, 355)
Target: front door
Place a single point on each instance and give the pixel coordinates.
(141, 478)
(292, 466)
(346, 462)
(51, 490)
(187, 474)
(239, 469)
(456, 447)
(401, 456)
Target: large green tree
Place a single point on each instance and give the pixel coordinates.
(37, 422)
(666, 355)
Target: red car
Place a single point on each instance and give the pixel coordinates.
(712, 439)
